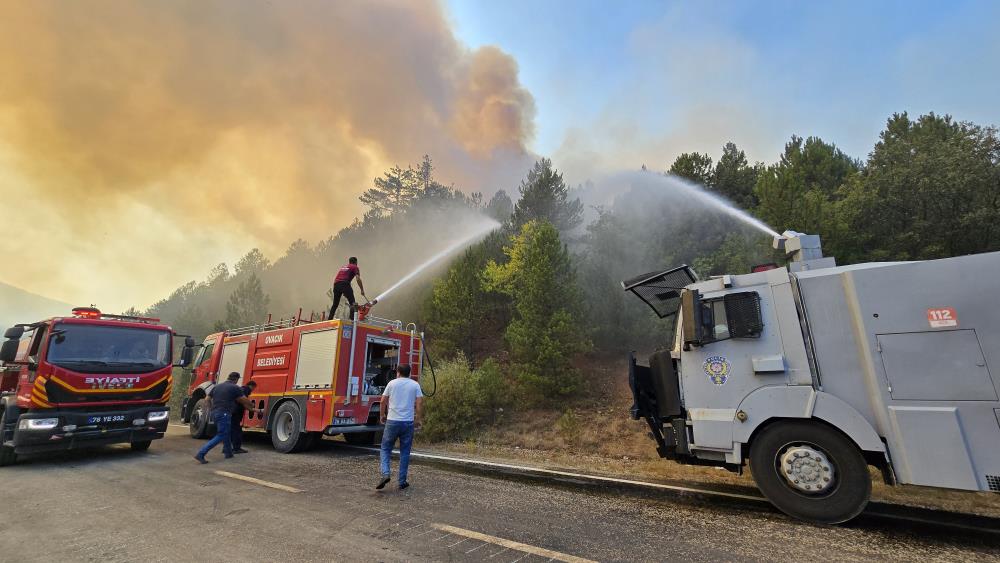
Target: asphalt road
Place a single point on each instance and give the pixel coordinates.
(115, 505)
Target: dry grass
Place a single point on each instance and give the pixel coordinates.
(597, 436)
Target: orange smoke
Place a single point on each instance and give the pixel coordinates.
(233, 123)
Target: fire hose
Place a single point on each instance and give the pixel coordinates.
(430, 364)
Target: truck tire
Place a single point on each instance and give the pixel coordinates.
(199, 419)
(286, 429)
(360, 438)
(310, 441)
(810, 471)
(141, 446)
(7, 454)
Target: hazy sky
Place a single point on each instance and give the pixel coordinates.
(646, 80)
(142, 143)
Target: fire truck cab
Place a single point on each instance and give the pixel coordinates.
(313, 378)
(83, 380)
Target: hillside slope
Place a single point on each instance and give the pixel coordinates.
(20, 306)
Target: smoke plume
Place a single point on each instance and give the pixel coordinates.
(142, 142)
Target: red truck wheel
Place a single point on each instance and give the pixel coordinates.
(286, 429)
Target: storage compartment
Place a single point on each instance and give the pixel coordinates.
(936, 366)
(317, 353)
(234, 358)
(381, 359)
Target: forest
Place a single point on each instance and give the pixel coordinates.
(519, 316)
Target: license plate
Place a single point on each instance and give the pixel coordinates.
(107, 419)
(340, 420)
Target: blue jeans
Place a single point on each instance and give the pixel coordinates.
(223, 434)
(404, 431)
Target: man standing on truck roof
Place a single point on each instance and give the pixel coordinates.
(342, 286)
(400, 413)
(222, 399)
(237, 422)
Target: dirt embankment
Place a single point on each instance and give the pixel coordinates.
(595, 434)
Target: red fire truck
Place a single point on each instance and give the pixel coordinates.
(313, 378)
(87, 379)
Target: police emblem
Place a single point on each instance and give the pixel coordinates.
(717, 369)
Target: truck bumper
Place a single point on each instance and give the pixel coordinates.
(35, 431)
(353, 429)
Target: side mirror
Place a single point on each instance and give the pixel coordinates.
(189, 342)
(14, 333)
(8, 351)
(187, 353)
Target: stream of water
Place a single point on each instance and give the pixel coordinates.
(450, 249)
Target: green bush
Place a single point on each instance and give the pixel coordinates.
(466, 399)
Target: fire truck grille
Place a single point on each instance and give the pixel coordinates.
(59, 394)
(993, 481)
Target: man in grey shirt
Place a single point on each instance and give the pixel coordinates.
(400, 413)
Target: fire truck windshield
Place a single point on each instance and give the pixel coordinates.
(108, 349)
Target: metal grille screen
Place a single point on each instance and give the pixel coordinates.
(994, 482)
(661, 290)
(743, 314)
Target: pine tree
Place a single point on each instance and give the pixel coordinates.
(546, 333)
(500, 206)
(252, 262)
(545, 197)
(734, 178)
(694, 166)
(247, 305)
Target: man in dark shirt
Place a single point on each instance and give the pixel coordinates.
(237, 422)
(222, 399)
(342, 286)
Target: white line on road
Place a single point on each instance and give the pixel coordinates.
(522, 547)
(261, 482)
(477, 547)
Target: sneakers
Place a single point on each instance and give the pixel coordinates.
(228, 456)
(241, 451)
(381, 484)
(403, 486)
(200, 459)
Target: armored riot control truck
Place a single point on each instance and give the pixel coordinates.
(814, 372)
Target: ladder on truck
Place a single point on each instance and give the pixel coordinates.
(415, 356)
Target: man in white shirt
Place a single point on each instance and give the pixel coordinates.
(400, 413)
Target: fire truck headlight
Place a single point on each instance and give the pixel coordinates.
(157, 416)
(38, 424)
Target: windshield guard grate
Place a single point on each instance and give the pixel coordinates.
(661, 290)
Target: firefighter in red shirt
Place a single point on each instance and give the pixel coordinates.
(342, 286)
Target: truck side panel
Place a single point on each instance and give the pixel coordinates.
(925, 383)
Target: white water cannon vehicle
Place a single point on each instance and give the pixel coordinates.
(814, 372)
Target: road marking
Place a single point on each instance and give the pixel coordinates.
(256, 481)
(510, 544)
(477, 547)
(557, 473)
